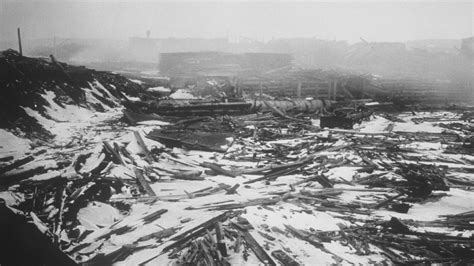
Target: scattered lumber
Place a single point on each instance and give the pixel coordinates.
(116, 156)
(143, 146)
(284, 258)
(218, 169)
(197, 230)
(16, 164)
(188, 175)
(257, 249)
(144, 183)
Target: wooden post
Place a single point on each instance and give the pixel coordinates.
(298, 90)
(332, 89)
(363, 88)
(237, 86)
(19, 41)
(329, 89)
(54, 45)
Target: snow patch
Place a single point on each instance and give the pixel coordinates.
(159, 89)
(182, 94)
(136, 81)
(11, 145)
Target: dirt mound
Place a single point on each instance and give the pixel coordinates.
(44, 86)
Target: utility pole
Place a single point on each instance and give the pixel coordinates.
(19, 41)
(55, 52)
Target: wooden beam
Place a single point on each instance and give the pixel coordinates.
(144, 183)
(19, 42)
(143, 146)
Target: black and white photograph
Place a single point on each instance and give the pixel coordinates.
(221, 133)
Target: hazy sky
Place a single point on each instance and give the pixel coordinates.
(374, 21)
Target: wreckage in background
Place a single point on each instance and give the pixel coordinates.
(275, 74)
(206, 83)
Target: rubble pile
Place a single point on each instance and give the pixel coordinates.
(274, 186)
(32, 86)
(166, 194)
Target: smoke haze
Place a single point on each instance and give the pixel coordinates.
(373, 21)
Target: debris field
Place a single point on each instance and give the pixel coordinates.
(105, 177)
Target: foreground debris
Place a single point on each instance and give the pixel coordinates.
(146, 198)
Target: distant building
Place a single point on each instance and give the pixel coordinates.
(148, 49)
(193, 64)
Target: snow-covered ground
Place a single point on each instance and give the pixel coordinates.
(11, 145)
(80, 131)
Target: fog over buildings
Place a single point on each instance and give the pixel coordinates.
(408, 38)
(386, 38)
(374, 21)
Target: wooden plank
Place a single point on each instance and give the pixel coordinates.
(115, 155)
(16, 164)
(233, 189)
(188, 175)
(257, 249)
(284, 258)
(143, 182)
(143, 146)
(218, 169)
